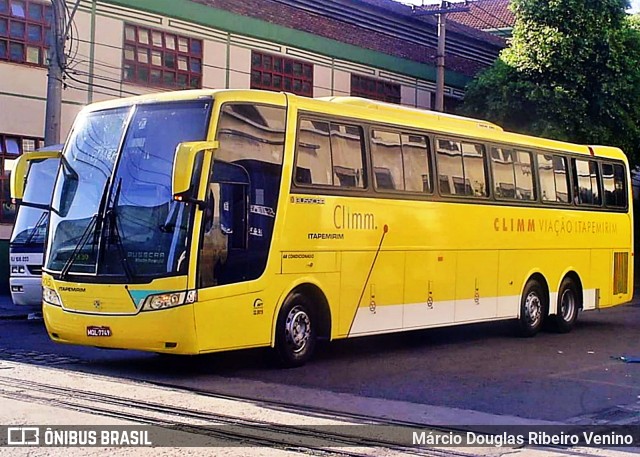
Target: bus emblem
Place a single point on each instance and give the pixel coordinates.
(258, 307)
(97, 304)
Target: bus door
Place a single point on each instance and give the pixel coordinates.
(225, 233)
(234, 309)
(31, 184)
(237, 231)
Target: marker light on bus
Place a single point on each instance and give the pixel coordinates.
(51, 296)
(164, 301)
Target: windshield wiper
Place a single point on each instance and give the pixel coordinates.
(81, 243)
(93, 227)
(114, 232)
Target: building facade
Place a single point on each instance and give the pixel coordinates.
(377, 49)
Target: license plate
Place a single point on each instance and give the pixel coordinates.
(98, 331)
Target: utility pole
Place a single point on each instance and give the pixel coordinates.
(54, 78)
(442, 34)
(57, 64)
(445, 8)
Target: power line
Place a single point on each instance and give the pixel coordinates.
(122, 91)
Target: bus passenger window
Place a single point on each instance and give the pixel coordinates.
(464, 164)
(386, 153)
(615, 192)
(524, 177)
(346, 155)
(474, 170)
(562, 178)
(594, 175)
(512, 174)
(416, 163)
(585, 175)
(547, 179)
(449, 156)
(313, 164)
(554, 180)
(503, 173)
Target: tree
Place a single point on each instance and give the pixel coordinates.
(572, 73)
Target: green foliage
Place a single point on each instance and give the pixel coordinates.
(572, 73)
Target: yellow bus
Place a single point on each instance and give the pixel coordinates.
(203, 221)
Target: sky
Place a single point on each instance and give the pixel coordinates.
(635, 4)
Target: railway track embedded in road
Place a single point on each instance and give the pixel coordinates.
(224, 427)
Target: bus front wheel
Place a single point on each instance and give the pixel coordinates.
(567, 312)
(532, 309)
(295, 331)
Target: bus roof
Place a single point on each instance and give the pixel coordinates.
(377, 111)
(433, 115)
(470, 127)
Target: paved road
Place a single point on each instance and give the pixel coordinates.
(552, 377)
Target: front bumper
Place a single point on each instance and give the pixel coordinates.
(169, 331)
(31, 294)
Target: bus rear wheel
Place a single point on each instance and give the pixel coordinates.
(568, 305)
(296, 331)
(532, 309)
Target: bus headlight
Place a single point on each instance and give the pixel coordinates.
(17, 269)
(51, 296)
(169, 300)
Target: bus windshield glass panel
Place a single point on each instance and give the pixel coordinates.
(32, 218)
(113, 212)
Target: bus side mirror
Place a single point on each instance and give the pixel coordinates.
(21, 167)
(187, 169)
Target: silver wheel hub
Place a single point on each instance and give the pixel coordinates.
(567, 305)
(297, 328)
(533, 309)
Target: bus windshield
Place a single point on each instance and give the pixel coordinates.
(113, 212)
(32, 218)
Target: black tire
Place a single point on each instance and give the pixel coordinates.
(295, 331)
(533, 309)
(567, 308)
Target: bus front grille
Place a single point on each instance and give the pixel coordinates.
(620, 272)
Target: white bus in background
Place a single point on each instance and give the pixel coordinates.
(26, 246)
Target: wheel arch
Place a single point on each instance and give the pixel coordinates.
(538, 276)
(575, 277)
(322, 310)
